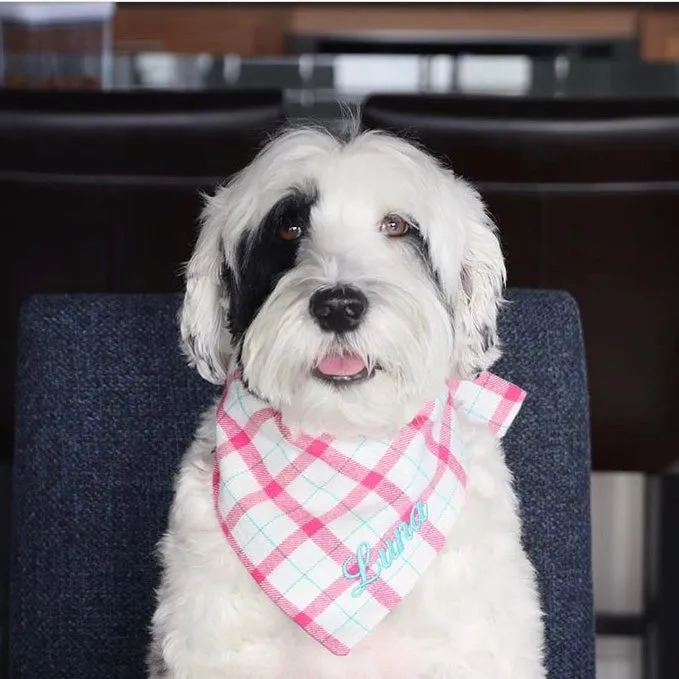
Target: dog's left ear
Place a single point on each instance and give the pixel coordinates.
(479, 290)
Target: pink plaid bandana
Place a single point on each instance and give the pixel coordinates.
(338, 532)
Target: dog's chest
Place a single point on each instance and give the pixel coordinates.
(452, 612)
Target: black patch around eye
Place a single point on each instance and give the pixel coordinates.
(263, 258)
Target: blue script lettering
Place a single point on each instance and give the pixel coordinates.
(418, 515)
(362, 560)
(366, 567)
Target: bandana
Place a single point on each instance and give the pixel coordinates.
(338, 532)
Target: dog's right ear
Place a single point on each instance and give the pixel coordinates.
(205, 337)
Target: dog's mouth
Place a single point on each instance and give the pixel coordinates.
(343, 369)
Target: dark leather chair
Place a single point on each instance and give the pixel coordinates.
(419, 43)
(586, 195)
(99, 192)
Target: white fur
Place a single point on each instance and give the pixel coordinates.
(475, 614)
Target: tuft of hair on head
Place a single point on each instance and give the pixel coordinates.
(344, 130)
(350, 123)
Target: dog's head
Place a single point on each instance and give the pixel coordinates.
(352, 278)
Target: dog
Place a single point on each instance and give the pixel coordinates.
(345, 279)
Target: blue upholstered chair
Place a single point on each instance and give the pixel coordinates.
(105, 409)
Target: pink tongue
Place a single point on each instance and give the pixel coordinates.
(341, 366)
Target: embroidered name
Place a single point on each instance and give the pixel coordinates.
(368, 565)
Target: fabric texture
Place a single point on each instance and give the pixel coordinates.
(337, 532)
(106, 409)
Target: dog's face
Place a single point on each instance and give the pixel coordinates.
(352, 279)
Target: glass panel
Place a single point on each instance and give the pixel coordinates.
(494, 75)
(362, 73)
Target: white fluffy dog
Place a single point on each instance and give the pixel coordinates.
(410, 276)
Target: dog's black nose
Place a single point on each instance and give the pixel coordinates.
(338, 309)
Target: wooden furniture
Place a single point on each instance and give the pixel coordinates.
(659, 33)
(564, 20)
(220, 28)
(262, 30)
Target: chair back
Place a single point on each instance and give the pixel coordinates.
(100, 191)
(106, 408)
(585, 194)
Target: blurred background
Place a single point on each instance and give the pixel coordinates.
(113, 116)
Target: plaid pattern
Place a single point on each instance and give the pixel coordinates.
(335, 532)
(490, 400)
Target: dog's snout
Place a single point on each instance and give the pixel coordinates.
(338, 309)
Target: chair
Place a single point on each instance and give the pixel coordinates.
(585, 194)
(100, 191)
(105, 410)
(459, 44)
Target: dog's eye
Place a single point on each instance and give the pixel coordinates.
(290, 232)
(394, 226)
